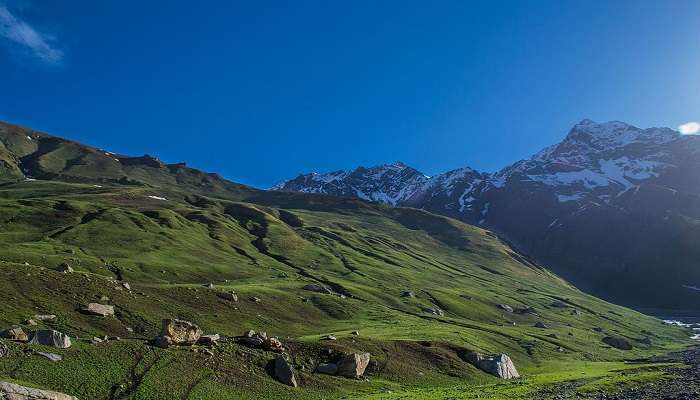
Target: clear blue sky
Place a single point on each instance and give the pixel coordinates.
(260, 91)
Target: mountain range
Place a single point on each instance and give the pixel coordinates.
(612, 207)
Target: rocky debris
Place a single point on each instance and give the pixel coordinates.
(230, 296)
(179, 332)
(11, 391)
(505, 307)
(50, 337)
(14, 333)
(541, 325)
(209, 286)
(435, 311)
(354, 365)
(255, 299)
(261, 340)
(45, 317)
(96, 340)
(163, 342)
(355, 333)
(51, 356)
(64, 268)
(249, 333)
(328, 369)
(329, 337)
(284, 372)
(499, 365)
(312, 287)
(273, 344)
(99, 309)
(408, 293)
(4, 350)
(209, 339)
(30, 322)
(617, 342)
(126, 285)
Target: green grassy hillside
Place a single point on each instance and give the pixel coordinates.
(157, 231)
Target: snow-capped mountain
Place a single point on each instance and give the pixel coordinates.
(389, 183)
(612, 207)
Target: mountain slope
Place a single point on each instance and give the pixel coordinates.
(170, 241)
(613, 208)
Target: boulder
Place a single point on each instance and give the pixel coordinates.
(253, 341)
(312, 287)
(49, 337)
(329, 337)
(209, 286)
(617, 342)
(44, 317)
(354, 365)
(541, 325)
(126, 285)
(499, 365)
(273, 344)
(408, 293)
(65, 268)
(181, 332)
(284, 372)
(4, 350)
(255, 299)
(30, 322)
(208, 339)
(230, 296)
(11, 391)
(505, 307)
(328, 369)
(99, 309)
(14, 333)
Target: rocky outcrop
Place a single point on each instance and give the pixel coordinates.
(499, 365)
(11, 391)
(49, 337)
(354, 365)
(312, 287)
(229, 296)
(65, 268)
(617, 342)
(99, 309)
(284, 372)
(328, 369)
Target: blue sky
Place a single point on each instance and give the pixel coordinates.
(261, 91)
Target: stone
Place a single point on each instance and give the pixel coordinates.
(208, 339)
(356, 333)
(500, 365)
(251, 341)
(313, 287)
(249, 333)
(181, 332)
(354, 365)
(559, 304)
(11, 391)
(255, 299)
(99, 309)
(541, 325)
(64, 268)
(505, 307)
(104, 298)
(230, 296)
(45, 317)
(329, 337)
(273, 344)
(50, 337)
(284, 372)
(435, 311)
(30, 322)
(408, 293)
(126, 285)
(209, 286)
(51, 356)
(163, 342)
(328, 369)
(14, 333)
(4, 350)
(617, 342)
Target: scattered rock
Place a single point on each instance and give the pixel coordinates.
(50, 337)
(500, 365)
(96, 340)
(230, 296)
(435, 311)
(273, 344)
(209, 286)
(542, 325)
(64, 268)
(45, 317)
(11, 391)
(51, 356)
(249, 333)
(328, 369)
(181, 332)
(4, 350)
(354, 365)
(255, 299)
(163, 342)
(208, 339)
(329, 337)
(284, 372)
(99, 309)
(14, 333)
(30, 322)
(617, 342)
(505, 307)
(312, 287)
(126, 285)
(356, 333)
(408, 293)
